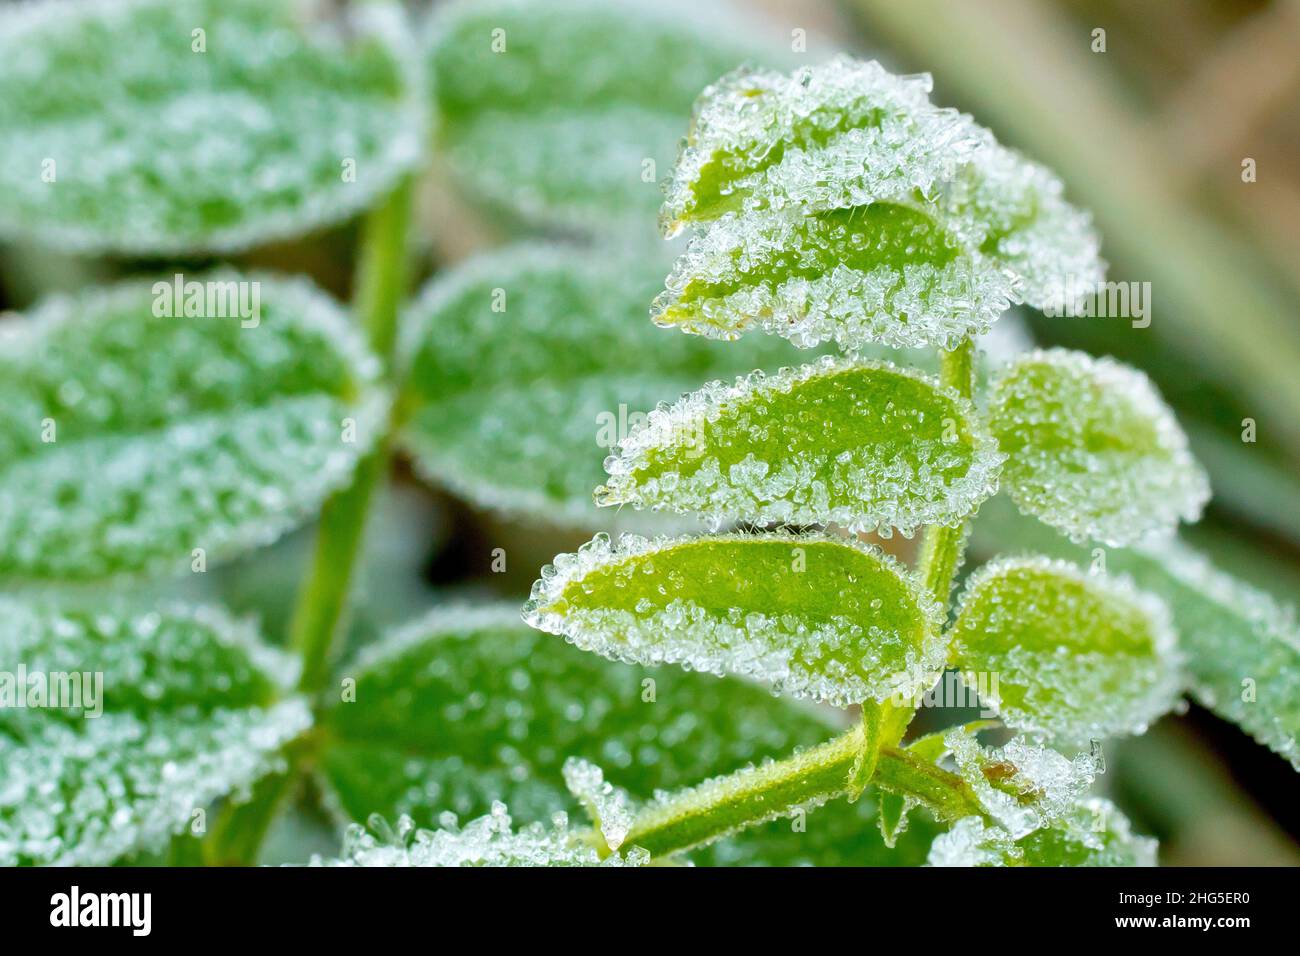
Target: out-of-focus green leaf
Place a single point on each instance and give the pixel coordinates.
(818, 616)
(865, 445)
(162, 126)
(569, 111)
(470, 706)
(1094, 833)
(529, 365)
(1241, 647)
(1071, 655)
(1094, 451)
(131, 441)
(147, 717)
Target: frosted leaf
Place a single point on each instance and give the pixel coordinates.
(182, 714)
(554, 457)
(1094, 833)
(519, 356)
(557, 118)
(889, 273)
(1241, 646)
(489, 840)
(1014, 211)
(868, 446)
(1075, 655)
(129, 440)
(470, 705)
(610, 808)
(812, 615)
(1021, 785)
(277, 126)
(1094, 451)
(844, 133)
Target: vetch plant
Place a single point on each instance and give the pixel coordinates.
(149, 434)
(838, 204)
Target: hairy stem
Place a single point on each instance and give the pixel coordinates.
(755, 795)
(381, 283)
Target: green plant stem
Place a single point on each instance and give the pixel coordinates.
(752, 796)
(943, 546)
(381, 283)
(240, 828)
(237, 836)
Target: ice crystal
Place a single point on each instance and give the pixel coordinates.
(186, 718)
(868, 446)
(489, 840)
(1021, 785)
(609, 807)
(558, 120)
(154, 145)
(1094, 451)
(131, 440)
(1076, 655)
(1093, 833)
(814, 615)
(844, 133)
(889, 273)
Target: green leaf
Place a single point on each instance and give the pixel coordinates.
(837, 203)
(566, 112)
(1094, 451)
(490, 840)
(165, 126)
(130, 441)
(1094, 833)
(814, 615)
(465, 443)
(1014, 211)
(869, 446)
(176, 709)
(468, 706)
(842, 134)
(521, 356)
(1242, 647)
(1071, 655)
(888, 272)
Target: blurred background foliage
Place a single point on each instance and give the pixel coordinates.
(1150, 135)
